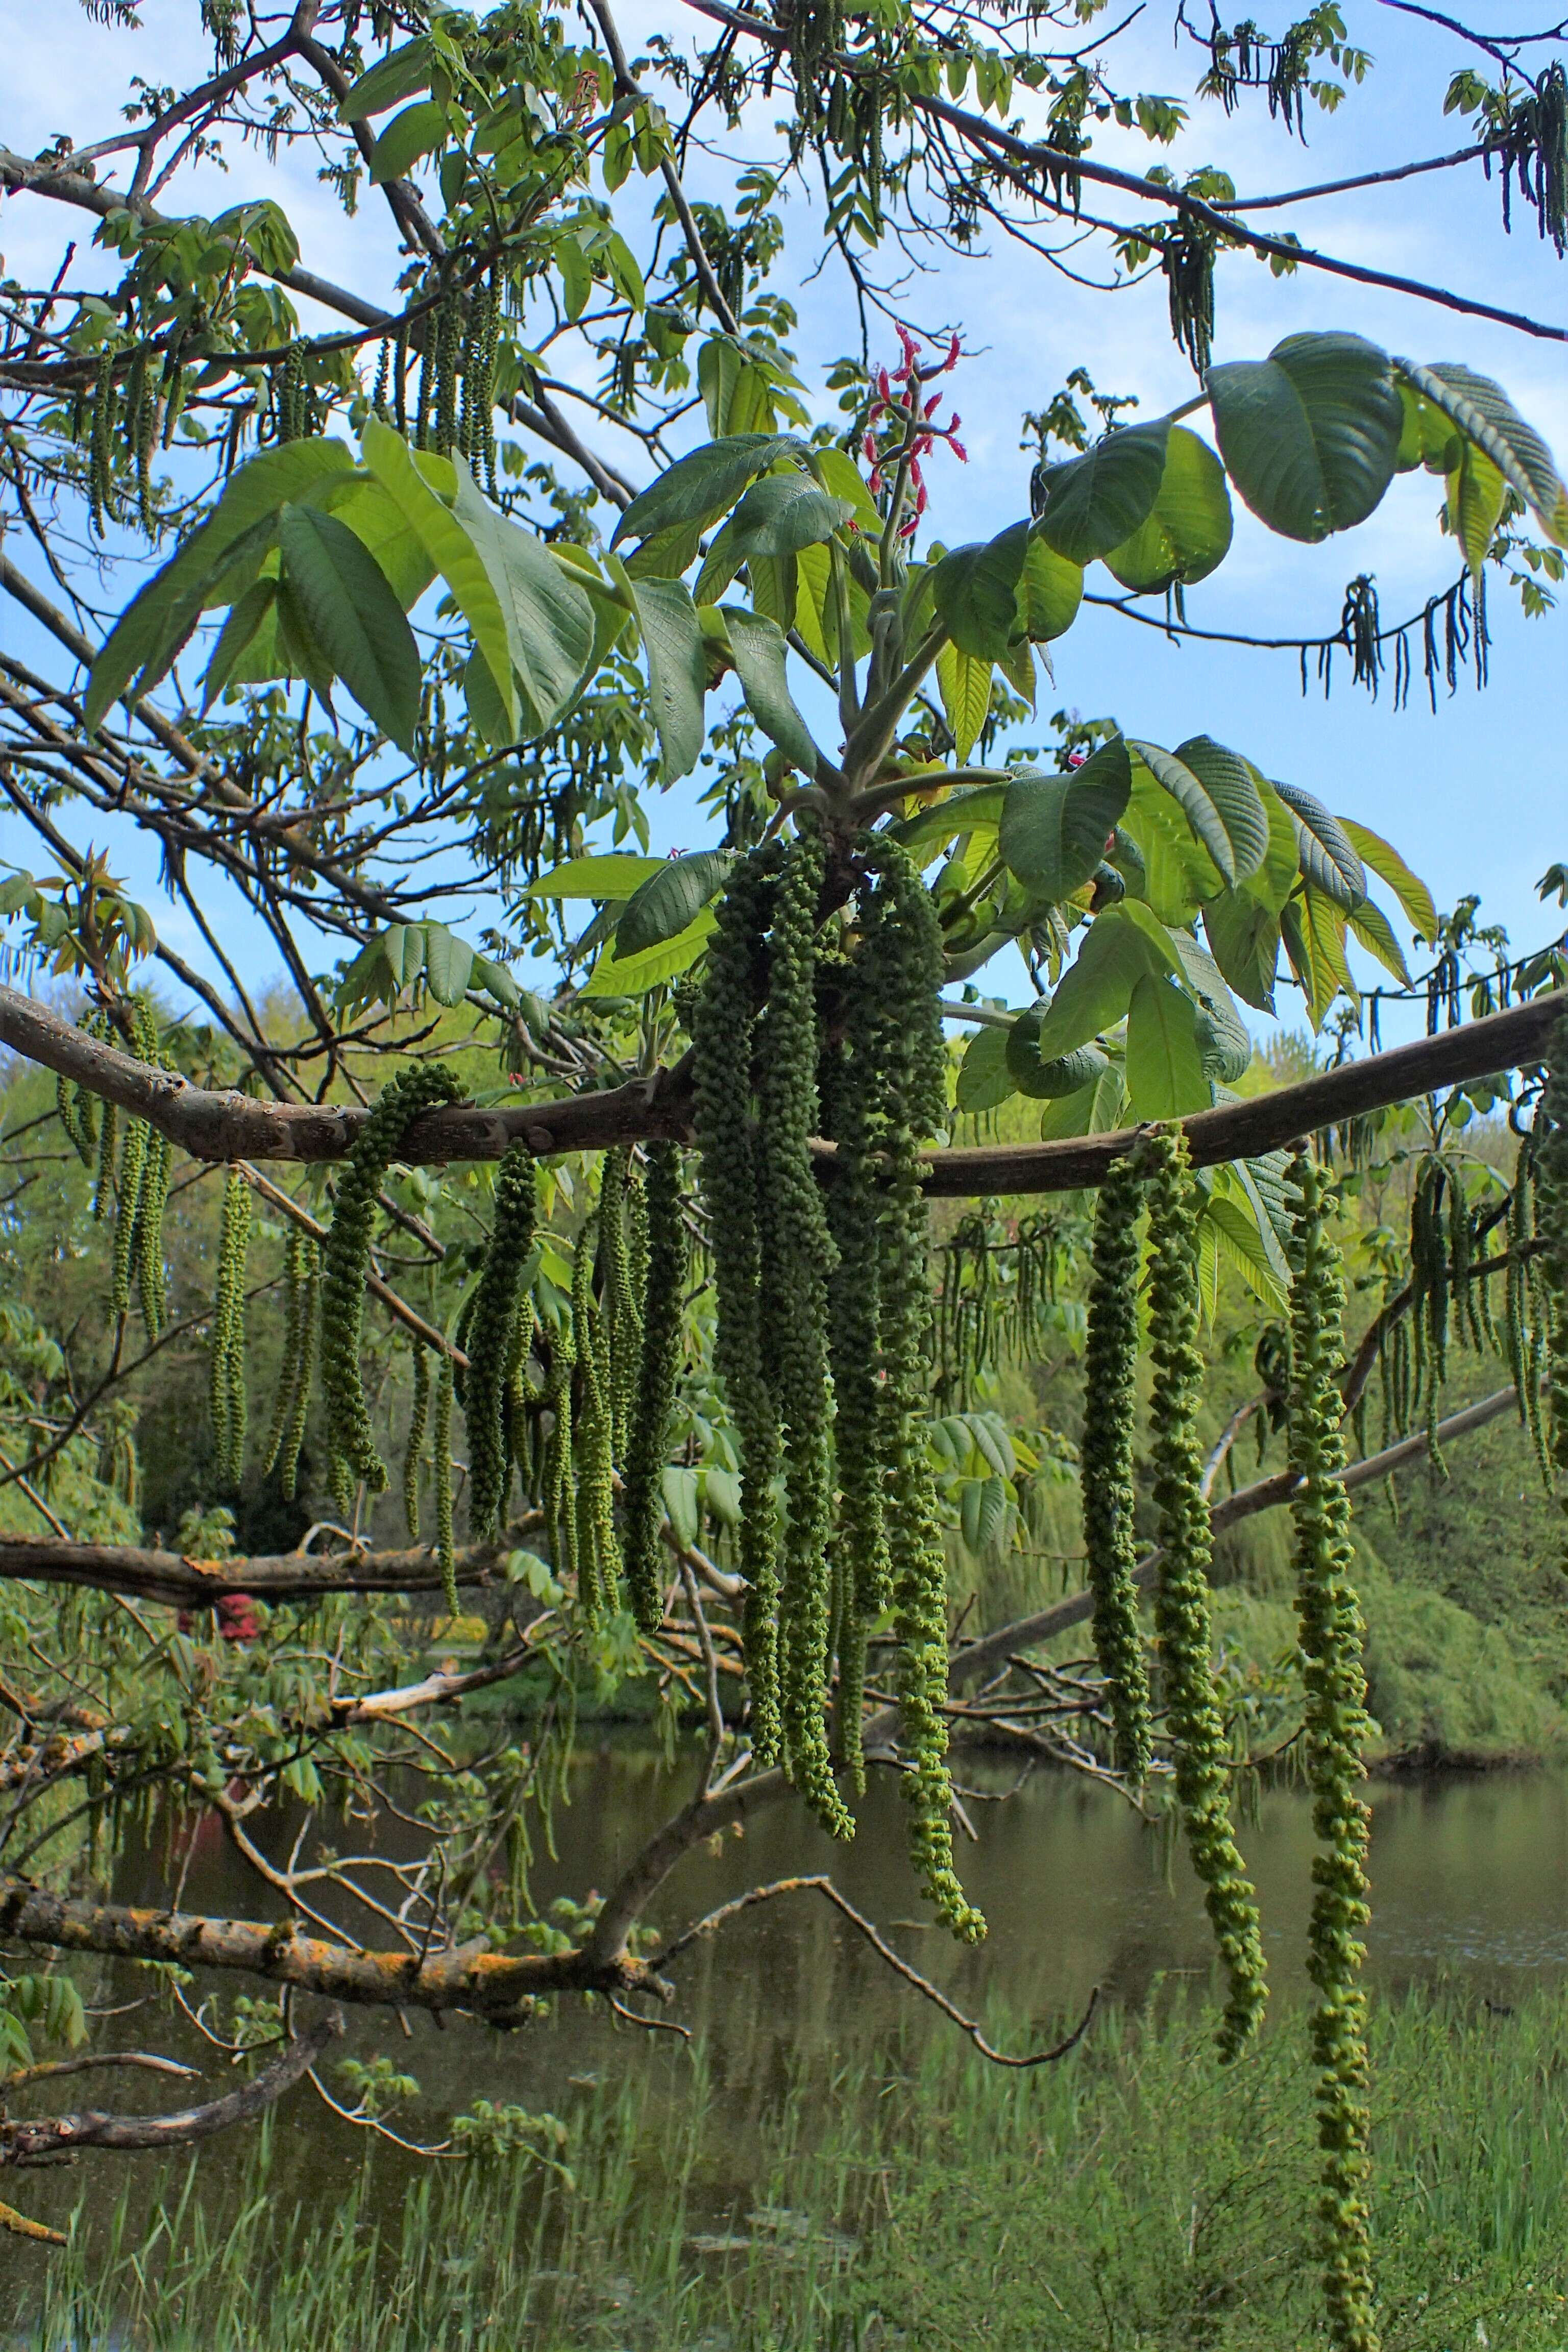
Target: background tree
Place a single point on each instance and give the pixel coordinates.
(489, 1245)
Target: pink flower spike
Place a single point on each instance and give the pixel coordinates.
(911, 348)
(884, 384)
(932, 405)
(869, 448)
(959, 451)
(952, 360)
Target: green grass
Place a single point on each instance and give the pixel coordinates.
(1133, 2198)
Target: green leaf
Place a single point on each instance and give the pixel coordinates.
(153, 626)
(783, 513)
(1231, 785)
(1314, 929)
(1093, 503)
(235, 635)
(1327, 853)
(1069, 1074)
(1175, 777)
(615, 975)
(1246, 1237)
(672, 639)
(975, 592)
(1051, 590)
(1165, 1065)
(967, 809)
(1275, 878)
(679, 1488)
(1477, 493)
(1096, 990)
(1389, 867)
(985, 1080)
(843, 478)
(1224, 1041)
(1310, 435)
(1178, 872)
(415, 131)
(1484, 414)
(965, 688)
(671, 899)
(298, 645)
(761, 664)
(487, 712)
(355, 618)
(617, 876)
(1095, 1109)
(448, 961)
(698, 489)
(549, 618)
(1244, 934)
(1055, 828)
(359, 500)
(1372, 927)
(390, 78)
(451, 549)
(1187, 532)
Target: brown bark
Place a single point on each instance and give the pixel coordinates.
(46, 2141)
(497, 1986)
(182, 1583)
(216, 1126)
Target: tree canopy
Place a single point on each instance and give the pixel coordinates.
(384, 620)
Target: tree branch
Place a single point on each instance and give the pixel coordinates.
(216, 1126)
(44, 2142)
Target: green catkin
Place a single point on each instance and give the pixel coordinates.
(622, 1301)
(909, 1054)
(441, 1446)
(132, 1169)
(1110, 1395)
(100, 463)
(1551, 1176)
(346, 1254)
(796, 1265)
(723, 1039)
(598, 1555)
(383, 378)
(657, 1374)
(556, 1499)
(1334, 1726)
(498, 1302)
(296, 1264)
(1182, 1593)
(227, 1362)
(300, 1407)
(418, 1415)
(146, 1234)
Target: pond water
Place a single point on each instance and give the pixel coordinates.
(1471, 1886)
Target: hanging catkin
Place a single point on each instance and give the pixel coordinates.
(556, 1499)
(1182, 1593)
(797, 1262)
(227, 1354)
(598, 1554)
(346, 1255)
(907, 1042)
(414, 1445)
(1334, 1726)
(1110, 1407)
(724, 1047)
(1551, 1160)
(658, 1372)
(293, 1366)
(620, 1291)
(145, 1239)
(441, 1447)
(491, 1334)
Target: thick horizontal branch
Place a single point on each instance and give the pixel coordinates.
(183, 1583)
(232, 1126)
(46, 2141)
(497, 1986)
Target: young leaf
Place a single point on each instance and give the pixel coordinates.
(1097, 987)
(1310, 435)
(354, 618)
(615, 975)
(390, 78)
(670, 901)
(1068, 1073)
(617, 876)
(1090, 504)
(1377, 934)
(965, 688)
(1186, 534)
(235, 635)
(758, 650)
(451, 549)
(672, 639)
(783, 513)
(1389, 867)
(448, 961)
(985, 1080)
(1051, 590)
(1164, 1064)
(1232, 789)
(1244, 934)
(417, 131)
(1175, 777)
(1055, 828)
(1328, 855)
(549, 618)
(1484, 414)
(975, 592)
(156, 622)
(698, 489)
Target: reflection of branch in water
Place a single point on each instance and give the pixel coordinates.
(707, 1926)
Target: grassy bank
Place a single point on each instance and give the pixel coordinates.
(1132, 2198)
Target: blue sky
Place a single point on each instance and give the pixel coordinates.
(1473, 795)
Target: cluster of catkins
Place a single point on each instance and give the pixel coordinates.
(131, 1170)
(824, 1313)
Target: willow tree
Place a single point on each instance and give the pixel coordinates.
(409, 638)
